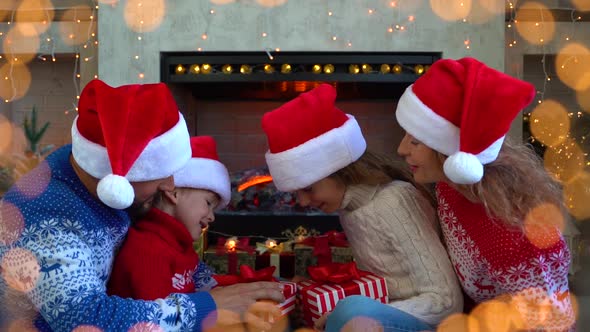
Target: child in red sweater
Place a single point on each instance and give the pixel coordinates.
(158, 258)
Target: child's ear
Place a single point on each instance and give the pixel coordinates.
(171, 196)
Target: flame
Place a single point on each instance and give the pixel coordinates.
(258, 179)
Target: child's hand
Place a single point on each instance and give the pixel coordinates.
(320, 324)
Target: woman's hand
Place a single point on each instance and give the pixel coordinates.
(320, 324)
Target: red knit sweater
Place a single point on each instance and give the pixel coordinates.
(156, 260)
(492, 259)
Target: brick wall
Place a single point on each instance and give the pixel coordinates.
(52, 91)
(236, 127)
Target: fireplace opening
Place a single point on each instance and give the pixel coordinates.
(225, 94)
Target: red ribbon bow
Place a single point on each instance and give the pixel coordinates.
(241, 244)
(334, 272)
(321, 245)
(247, 274)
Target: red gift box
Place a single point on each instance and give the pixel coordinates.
(333, 282)
(247, 274)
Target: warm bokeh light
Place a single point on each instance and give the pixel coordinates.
(493, 6)
(5, 134)
(550, 123)
(543, 225)
(12, 223)
(583, 5)
(20, 269)
(583, 98)
(18, 47)
(146, 327)
(73, 32)
(577, 196)
(572, 65)
(542, 310)
(35, 184)
(482, 12)
(491, 316)
(39, 11)
(565, 160)
(361, 323)
(539, 28)
(15, 81)
(144, 16)
(271, 3)
(451, 10)
(457, 323)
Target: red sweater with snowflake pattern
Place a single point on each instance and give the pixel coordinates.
(156, 260)
(493, 259)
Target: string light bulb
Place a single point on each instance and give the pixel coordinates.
(353, 69)
(227, 69)
(206, 68)
(385, 68)
(366, 68)
(245, 69)
(285, 68)
(397, 69)
(328, 69)
(316, 69)
(419, 69)
(180, 69)
(195, 69)
(269, 69)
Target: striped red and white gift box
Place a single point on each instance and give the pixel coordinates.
(319, 298)
(290, 292)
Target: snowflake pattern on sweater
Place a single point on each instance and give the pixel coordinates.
(491, 259)
(55, 272)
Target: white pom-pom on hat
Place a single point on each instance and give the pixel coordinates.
(463, 168)
(115, 191)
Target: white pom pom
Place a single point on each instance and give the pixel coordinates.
(463, 168)
(115, 191)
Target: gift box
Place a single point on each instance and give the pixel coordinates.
(321, 250)
(229, 254)
(281, 256)
(332, 283)
(247, 274)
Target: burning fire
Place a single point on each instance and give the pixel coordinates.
(258, 179)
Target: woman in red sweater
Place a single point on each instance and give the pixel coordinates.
(499, 209)
(157, 258)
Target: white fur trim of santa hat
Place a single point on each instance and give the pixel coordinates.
(205, 173)
(317, 158)
(439, 134)
(162, 157)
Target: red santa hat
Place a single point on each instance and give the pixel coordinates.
(205, 171)
(463, 109)
(310, 139)
(129, 133)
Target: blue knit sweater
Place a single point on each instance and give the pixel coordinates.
(57, 244)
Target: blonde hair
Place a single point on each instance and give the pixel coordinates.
(377, 169)
(514, 184)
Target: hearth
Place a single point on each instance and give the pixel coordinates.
(225, 94)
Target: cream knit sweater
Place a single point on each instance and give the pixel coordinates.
(393, 232)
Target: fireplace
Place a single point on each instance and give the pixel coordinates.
(225, 94)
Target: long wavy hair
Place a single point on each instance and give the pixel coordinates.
(377, 169)
(514, 184)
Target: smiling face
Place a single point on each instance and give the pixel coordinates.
(326, 195)
(195, 209)
(424, 162)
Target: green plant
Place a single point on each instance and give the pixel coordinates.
(32, 134)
